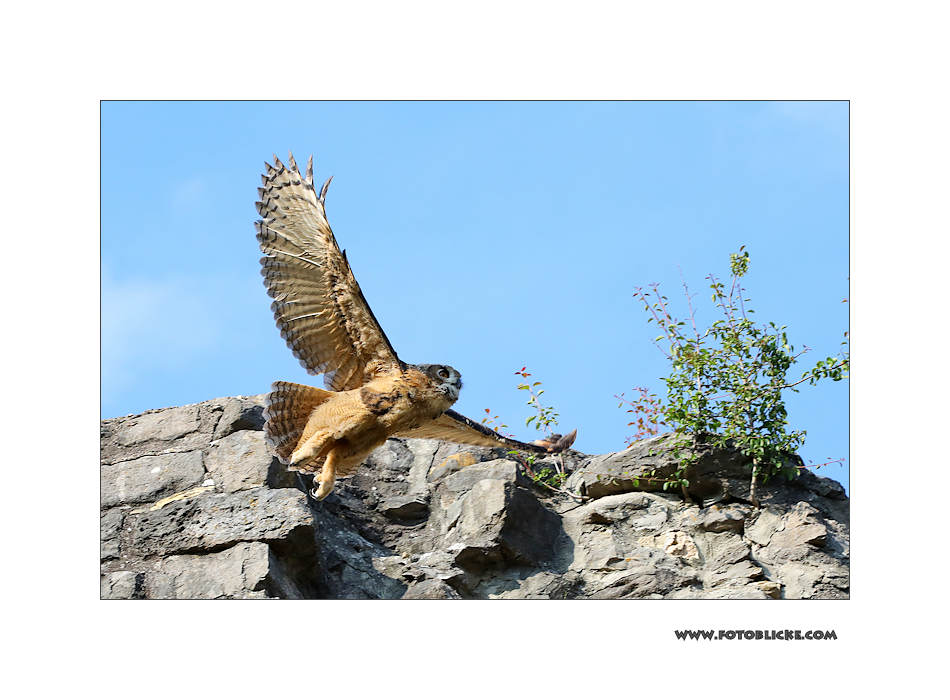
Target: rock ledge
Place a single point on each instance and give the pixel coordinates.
(193, 506)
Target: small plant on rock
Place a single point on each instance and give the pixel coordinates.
(726, 383)
(494, 422)
(545, 421)
(648, 413)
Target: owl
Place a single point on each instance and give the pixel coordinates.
(370, 394)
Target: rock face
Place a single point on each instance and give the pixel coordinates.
(193, 506)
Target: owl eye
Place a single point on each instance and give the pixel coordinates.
(443, 372)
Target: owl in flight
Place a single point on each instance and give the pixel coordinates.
(370, 393)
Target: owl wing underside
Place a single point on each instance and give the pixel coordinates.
(454, 427)
(318, 305)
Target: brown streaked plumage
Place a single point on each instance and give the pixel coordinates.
(556, 442)
(320, 310)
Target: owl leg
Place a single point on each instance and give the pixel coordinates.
(324, 483)
(311, 448)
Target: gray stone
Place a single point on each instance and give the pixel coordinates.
(423, 519)
(675, 543)
(800, 527)
(351, 566)
(501, 522)
(837, 577)
(766, 521)
(645, 580)
(238, 572)
(395, 567)
(240, 413)
(160, 586)
(165, 425)
(838, 540)
(543, 585)
(240, 461)
(503, 470)
(356, 579)
(448, 457)
(149, 478)
(412, 506)
(612, 509)
(110, 524)
(827, 488)
(439, 566)
(597, 550)
(734, 573)
(652, 519)
(737, 592)
(392, 461)
(430, 589)
(213, 521)
(719, 519)
(798, 582)
(423, 455)
(181, 429)
(646, 464)
(121, 585)
(722, 549)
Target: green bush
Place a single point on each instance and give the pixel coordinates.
(726, 384)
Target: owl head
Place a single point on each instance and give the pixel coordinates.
(446, 379)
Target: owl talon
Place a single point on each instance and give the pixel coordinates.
(317, 496)
(321, 489)
(315, 491)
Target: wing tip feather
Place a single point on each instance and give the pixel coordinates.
(323, 190)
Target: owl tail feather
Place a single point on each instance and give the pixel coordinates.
(286, 413)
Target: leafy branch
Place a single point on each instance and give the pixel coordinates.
(725, 384)
(545, 417)
(494, 422)
(647, 410)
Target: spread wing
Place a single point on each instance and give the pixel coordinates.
(318, 305)
(454, 427)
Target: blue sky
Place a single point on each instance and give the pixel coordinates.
(485, 235)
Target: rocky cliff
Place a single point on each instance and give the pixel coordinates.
(194, 506)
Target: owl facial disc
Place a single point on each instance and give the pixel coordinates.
(446, 379)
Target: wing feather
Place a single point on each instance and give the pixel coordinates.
(454, 427)
(318, 305)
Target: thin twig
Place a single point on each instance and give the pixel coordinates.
(642, 296)
(692, 320)
(840, 460)
(811, 376)
(666, 313)
(535, 479)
